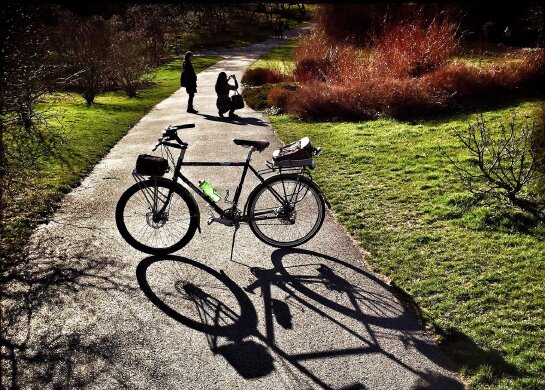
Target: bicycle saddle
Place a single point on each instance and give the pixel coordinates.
(258, 145)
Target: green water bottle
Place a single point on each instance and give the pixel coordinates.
(209, 191)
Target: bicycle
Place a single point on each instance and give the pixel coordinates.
(159, 216)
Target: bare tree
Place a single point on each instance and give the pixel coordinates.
(130, 60)
(280, 9)
(158, 23)
(211, 18)
(29, 71)
(505, 165)
(85, 44)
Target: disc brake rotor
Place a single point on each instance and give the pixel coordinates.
(155, 221)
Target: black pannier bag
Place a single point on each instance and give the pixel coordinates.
(147, 165)
(237, 102)
(296, 154)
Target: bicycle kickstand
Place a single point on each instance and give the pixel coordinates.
(237, 226)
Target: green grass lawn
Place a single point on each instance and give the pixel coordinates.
(89, 132)
(279, 58)
(477, 273)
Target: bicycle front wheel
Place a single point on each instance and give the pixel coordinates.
(286, 210)
(157, 216)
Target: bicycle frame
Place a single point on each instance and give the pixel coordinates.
(278, 200)
(246, 166)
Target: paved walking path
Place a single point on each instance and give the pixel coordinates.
(98, 314)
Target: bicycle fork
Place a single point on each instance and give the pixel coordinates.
(153, 197)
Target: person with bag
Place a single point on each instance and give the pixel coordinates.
(224, 103)
(188, 79)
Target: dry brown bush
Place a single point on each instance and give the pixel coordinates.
(416, 48)
(261, 76)
(280, 95)
(407, 74)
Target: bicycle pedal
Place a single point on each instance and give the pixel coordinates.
(211, 215)
(226, 199)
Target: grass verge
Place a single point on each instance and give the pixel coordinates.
(92, 130)
(476, 272)
(89, 133)
(280, 58)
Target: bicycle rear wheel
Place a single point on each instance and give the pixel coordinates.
(151, 222)
(286, 210)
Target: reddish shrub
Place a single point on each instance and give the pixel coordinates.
(451, 88)
(311, 69)
(260, 76)
(317, 100)
(319, 57)
(314, 46)
(406, 75)
(412, 49)
(280, 95)
(468, 86)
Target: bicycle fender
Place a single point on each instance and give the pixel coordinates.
(323, 196)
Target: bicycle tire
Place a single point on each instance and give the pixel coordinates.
(186, 206)
(284, 226)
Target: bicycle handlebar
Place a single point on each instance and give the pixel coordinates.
(170, 134)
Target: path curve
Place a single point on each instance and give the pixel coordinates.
(103, 315)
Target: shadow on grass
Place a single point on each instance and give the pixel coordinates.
(459, 347)
(479, 215)
(468, 114)
(468, 354)
(134, 105)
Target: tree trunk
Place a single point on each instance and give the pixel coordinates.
(3, 172)
(528, 206)
(89, 96)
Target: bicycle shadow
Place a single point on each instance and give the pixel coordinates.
(230, 324)
(212, 316)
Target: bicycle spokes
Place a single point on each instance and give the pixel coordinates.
(286, 212)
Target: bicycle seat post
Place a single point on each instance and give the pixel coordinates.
(249, 157)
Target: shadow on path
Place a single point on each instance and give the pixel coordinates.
(326, 287)
(38, 353)
(243, 121)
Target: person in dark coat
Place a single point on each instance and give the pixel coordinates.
(283, 28)
(223, 103)
(189, 80)
(276, 28)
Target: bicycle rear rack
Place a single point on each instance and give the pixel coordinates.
(272, 168)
